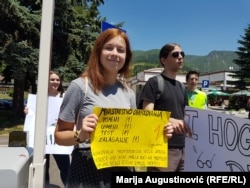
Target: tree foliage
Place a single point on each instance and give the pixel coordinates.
(76, 25)
(243, 61)
(19, 40)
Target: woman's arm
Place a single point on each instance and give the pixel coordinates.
(66, 136)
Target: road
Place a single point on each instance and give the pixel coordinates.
(55, 181)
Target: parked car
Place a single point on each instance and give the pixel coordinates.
(8, 103)
(1, 103)
(5, 104)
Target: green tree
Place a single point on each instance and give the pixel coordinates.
(20, 37)
(243, 62)
(19, 40)
(77, 24)
(20, 57)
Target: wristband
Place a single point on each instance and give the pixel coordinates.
(76, 136)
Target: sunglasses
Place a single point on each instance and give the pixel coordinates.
(176, 54)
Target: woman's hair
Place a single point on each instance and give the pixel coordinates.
(166, 49)
(60, 88)
(94, 69)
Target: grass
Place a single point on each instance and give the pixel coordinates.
(5, 96)
(8, 123)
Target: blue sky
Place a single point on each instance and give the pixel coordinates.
(199, 26)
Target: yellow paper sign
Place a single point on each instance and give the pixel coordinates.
(129, 137)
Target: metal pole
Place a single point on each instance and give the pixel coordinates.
(224, 82)
(36, 170)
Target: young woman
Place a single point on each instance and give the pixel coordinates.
(108, 62)
(55, 89)
(62, 160)
(104, 79)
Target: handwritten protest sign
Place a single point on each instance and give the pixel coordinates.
(54, 104)
(127, 137)
(220, 142)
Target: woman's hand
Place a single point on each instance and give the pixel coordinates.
(88, 126)
(26, 110)
(89, 123)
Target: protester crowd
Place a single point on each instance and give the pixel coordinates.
(103, 84)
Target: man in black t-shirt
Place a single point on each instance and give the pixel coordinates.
(172, 99)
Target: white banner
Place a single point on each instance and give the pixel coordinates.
(54, 104)
(220, 142)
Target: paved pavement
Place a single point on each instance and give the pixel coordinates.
(55, 180)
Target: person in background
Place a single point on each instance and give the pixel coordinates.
(55, 89)
(196, 98)
(104, 79)
(173, 100)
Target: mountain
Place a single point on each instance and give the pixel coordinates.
(214, 61)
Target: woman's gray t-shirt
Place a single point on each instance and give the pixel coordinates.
(116, 96)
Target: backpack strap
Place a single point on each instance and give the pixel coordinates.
(160, 83)
(85, 95)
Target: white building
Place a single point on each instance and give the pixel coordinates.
(217, 80)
